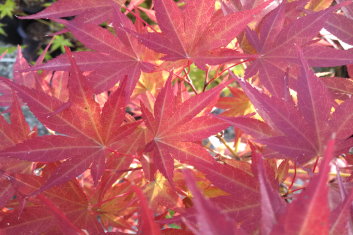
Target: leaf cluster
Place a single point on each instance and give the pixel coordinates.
(137, 123)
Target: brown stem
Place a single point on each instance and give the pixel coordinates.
(189, 81)
(234, 154)
(224, 70)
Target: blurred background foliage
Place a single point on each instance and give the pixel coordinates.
(32, 35)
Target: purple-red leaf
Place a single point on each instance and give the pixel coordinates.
(192, 32)
(309, 213)
(90, 10)
(210, 219)
(115, 57)
(88, 142)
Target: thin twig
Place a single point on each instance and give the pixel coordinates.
(234, 154)
(139, 18)
(223, 71)
(294, 176)
(294, 190)
(316, 162)
(188, 82)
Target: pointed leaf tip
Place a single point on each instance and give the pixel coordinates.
(210, 219)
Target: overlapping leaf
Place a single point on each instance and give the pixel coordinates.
(115, 57)
(271, 203)
(309, 214)
(173, 127)
(340, 26)
(209, 219)
(276, 46)
(174, 132)
(147, 222)
(122, 192)
(92, 11)
(299, 132)
(237, 105)
(193, 32)
(59, 210)
(11, 134)
(90, 135)
(340, 217)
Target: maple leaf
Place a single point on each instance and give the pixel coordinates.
(299, 132)
(131, 185)
(238, 5)
(340, 88)
(173, 134)
(160, 194)
(275, 45)
(340, 26)
(115, 57)
(7, 190)
(11, 134)
(26, 79)
(271, 203)
(318, 5)
(18, 130)
(88, 11)
(209, 219)
(339, 217)
(347, 9)
(55, 82)
(147, 222)
(193, 32)
(149, 83)
(309, 213)
(242, 206)
(173, 128)
(237, 105)
(90, 134)
(58, 210)
(116, 204)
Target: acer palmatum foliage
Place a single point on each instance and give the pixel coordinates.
(135, 144)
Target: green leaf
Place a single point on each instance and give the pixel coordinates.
(8, 49)
(7, 8)
(59, 43)
(2, 31)
(47, 55)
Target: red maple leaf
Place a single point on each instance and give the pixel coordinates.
(90, 134)
(209, 218)
(63, 209)
(115, 57)
(173, 128)
(195, 31)
(87, 11)
(298, 131)
(276, 41)
(10, 135)
(340, 26)
(309, 213)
